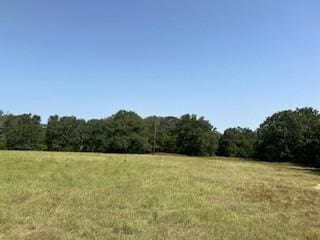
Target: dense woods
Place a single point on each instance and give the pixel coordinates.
(291, 135)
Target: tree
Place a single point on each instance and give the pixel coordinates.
(196, 136)
(237, 142)
(24, 132)
(126, 133)
(162, 130)
(291, 136)
(94, 134)
(63, 134)
(3, 144)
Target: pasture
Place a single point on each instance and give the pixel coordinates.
(50, 195)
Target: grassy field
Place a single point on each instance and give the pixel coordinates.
(96, 196)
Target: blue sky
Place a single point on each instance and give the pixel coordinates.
(234, 62)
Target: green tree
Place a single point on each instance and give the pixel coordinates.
(94, 135)
(162, 132)
(64, 134)
(126, 133)
(237, 142)
(291, 136)
(3, 144)
(24, 132)
(196, 136)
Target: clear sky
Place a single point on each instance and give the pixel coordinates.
(234, 62)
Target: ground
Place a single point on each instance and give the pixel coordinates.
(47, 195)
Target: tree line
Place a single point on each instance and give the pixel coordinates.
(123, 132)
(290, 135)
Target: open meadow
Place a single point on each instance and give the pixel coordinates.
(50, 195)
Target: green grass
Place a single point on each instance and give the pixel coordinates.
(46, 195)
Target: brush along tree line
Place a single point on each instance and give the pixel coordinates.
(290, 136)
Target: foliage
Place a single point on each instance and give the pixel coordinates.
(63, 134)
(196, 136)
(3, 144)
(292, 136)
(24, 132)
(162, 130)
(126, 133)
(94, 135)
(237, 142)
